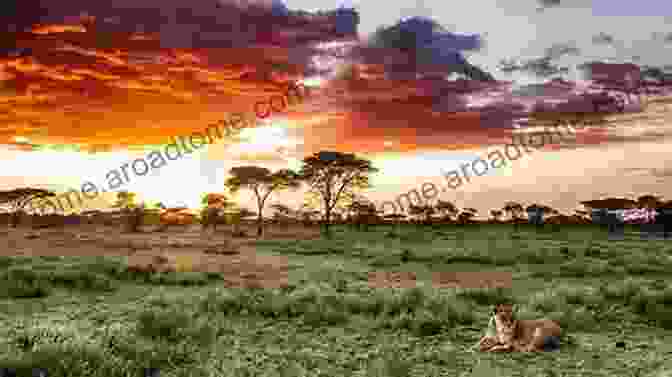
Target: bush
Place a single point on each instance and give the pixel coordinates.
(81, 279)
(180, 278)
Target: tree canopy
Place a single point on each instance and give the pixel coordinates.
(334, 176)
(18, 198)
(262, 182)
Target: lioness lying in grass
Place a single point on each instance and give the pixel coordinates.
(519, 335)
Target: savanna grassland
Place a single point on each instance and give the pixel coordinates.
(91, 316)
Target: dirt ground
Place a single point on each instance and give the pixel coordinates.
(466, 279)
(188, 248)
(184, 248)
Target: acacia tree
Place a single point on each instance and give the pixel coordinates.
(308, 217)
(282, 212)
(513, 209)
(447, 209)
(236, 216)
(133, 211)
(125, 200)
(333, 176)
(262, 183)
(17, 199)
(467, 215)
(212, 204)
(425, 212)
(581, 214)
(649, 201)
(363, 213)
(496, 214)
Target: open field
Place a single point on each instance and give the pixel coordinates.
(317, 307)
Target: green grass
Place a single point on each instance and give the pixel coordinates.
(88, 316)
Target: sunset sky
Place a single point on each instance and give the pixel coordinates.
(86, 86)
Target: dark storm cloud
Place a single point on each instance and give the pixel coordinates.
(64, 63)
(421, 46)
(200, 23)
(610, 72)
(500, 115)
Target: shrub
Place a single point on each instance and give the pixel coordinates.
(81, 279)
(180, 278)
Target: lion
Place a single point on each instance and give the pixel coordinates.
(518, 334)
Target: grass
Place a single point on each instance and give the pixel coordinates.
(89, 316)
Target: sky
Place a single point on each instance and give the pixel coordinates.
(84, 85)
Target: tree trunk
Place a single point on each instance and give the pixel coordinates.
(236, 225)
(327, 230)
(260, 225)
(327, 218)
(15, 219)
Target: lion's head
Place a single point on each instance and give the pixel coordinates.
(504, 312)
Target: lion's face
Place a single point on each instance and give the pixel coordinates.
(504, 312)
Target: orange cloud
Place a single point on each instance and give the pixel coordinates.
(121, 82)
(51, 29)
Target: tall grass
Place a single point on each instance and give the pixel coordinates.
(412, 309)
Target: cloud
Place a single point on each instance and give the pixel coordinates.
(501, 115)
(559, 50)
(551, 88)
(111, 76)
(611, 74)
(542, 66)
(658, 74)
(603, 38)
(543, 4)
(133, 73)
(665, 37)
(380, 114)
(420, 45)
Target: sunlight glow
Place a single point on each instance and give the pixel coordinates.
(265, 139)
(314, 81)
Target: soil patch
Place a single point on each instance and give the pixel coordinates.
(475, 279)
(191, 250)
(447, 279)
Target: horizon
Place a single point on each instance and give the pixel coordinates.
(85, 89)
